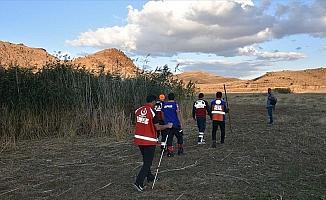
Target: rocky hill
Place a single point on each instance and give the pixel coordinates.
(108, 60)
(21, 55)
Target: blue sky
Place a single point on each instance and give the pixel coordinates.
(236, 38)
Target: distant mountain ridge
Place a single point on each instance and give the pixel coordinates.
(200, 77)
(115, 61)
(303, 81)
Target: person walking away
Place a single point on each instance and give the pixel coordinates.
(158, 110)
(271, 102)
(199, 111)
(172, 114)
(218, 110)
(146, 139)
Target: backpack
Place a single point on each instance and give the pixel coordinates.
(273, 100)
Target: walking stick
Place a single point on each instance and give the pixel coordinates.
(227, 104)
(159, 163)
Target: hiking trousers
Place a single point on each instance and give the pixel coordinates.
(270, 114)
(171, 132)
(201, 124)
(145, 172)
(217, 124)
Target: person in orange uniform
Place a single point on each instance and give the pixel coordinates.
(218, 110)
(146, 138)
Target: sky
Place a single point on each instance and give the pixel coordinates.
(233, 38)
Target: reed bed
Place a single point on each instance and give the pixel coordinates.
(62, 100)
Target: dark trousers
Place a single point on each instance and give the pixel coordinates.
(217, 124)
(201, 124)
(148, 156)
(171, 132)
(270, 113)
(160, 133)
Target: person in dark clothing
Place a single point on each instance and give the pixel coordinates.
(218, 110)
(158, 110)
(172, 114)
(146, 138)
(199, 111)
(270, 105)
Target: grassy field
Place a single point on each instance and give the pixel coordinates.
(258, 161)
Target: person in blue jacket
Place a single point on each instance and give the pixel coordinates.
(172, 114)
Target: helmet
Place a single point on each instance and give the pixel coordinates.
(162, 97)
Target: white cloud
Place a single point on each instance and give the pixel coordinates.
(271, 56)
(171, 27)
(218, 27)
(223, 27)
(297, 18)
(225, 68)
(262, 62)
(323, 47)
(120, 37)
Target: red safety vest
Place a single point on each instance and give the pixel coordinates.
(200, 107)
(145, 132)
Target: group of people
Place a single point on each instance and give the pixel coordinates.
(216, 110)
(159, 117)
(156, 117)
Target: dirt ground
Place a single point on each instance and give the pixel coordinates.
(286, 160)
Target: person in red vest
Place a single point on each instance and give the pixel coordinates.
(200, 109)
(146, 138)
(218, 110)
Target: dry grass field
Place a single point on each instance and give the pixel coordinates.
(286, 160)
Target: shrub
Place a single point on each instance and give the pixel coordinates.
(282, 90)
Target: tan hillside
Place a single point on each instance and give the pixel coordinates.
(298, 81)
(108, 60)
(304, 81)
(21, 55)
(203, 78)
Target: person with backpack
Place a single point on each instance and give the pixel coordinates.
(271, 102)
(172, 114)
(199, 111)
(146, 139)
(218, 110)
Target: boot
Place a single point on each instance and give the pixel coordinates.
(214, 144)
(170, 151)
(180, 149)
(201, 138)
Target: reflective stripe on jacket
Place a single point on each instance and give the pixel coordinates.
(200, 109)
(145, 132)
(218, 108)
